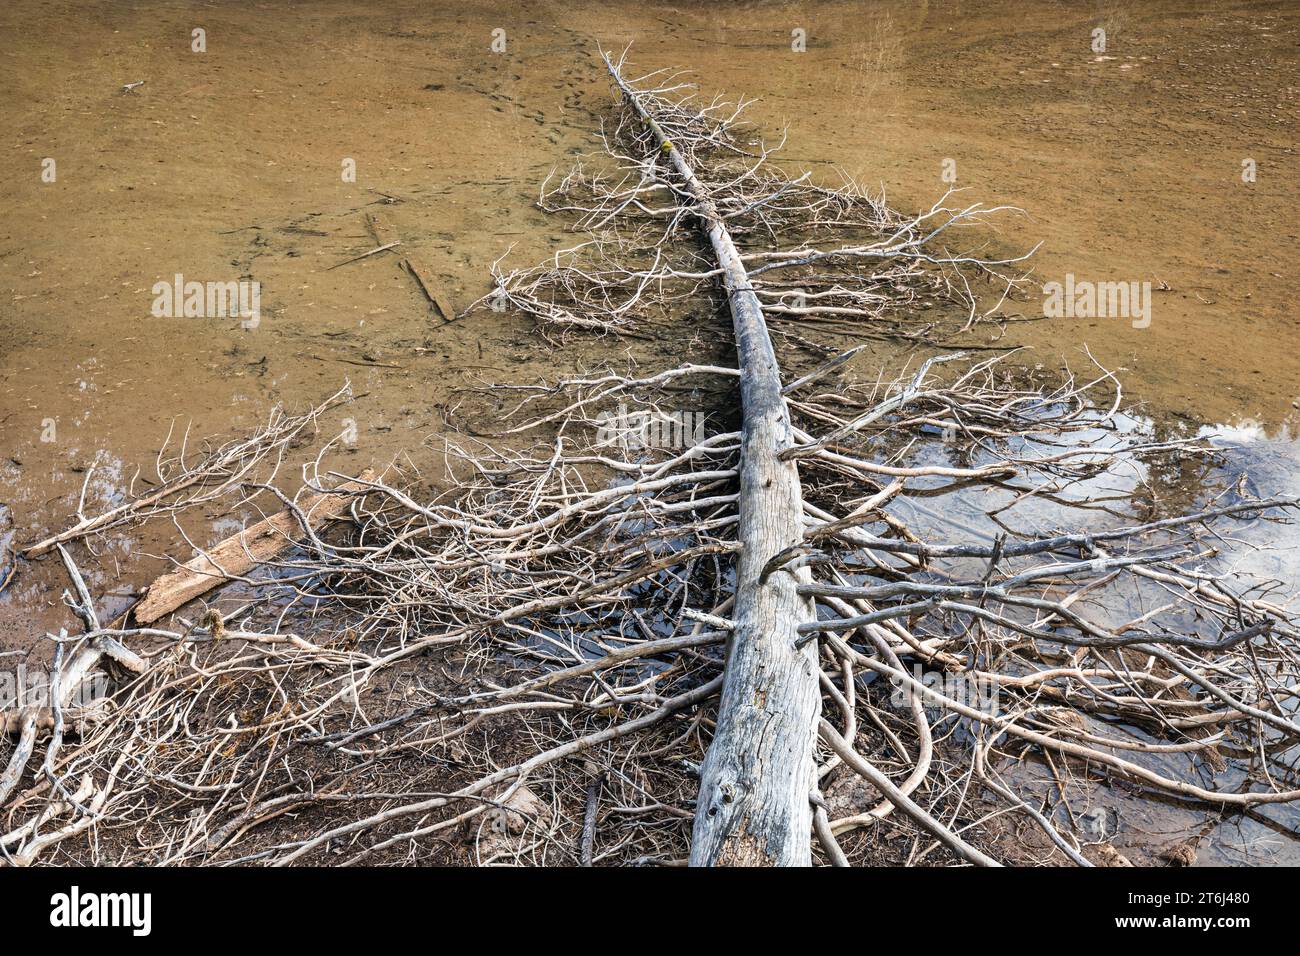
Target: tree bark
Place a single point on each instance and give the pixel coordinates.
(754, 805)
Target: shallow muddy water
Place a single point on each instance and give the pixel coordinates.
(227, 164)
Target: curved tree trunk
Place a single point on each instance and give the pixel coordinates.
(758, 776)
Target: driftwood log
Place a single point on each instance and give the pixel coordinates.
(242, 551)
(758, 777)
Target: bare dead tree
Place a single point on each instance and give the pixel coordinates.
(710, 628)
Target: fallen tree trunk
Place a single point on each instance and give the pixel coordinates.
(604, 591)
(241, 552)
(754, 805)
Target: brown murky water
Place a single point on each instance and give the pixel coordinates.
(227, 163)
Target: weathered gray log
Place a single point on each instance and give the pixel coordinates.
(757, 779)
(25, 724)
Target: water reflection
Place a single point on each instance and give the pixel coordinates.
(1243, 460)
